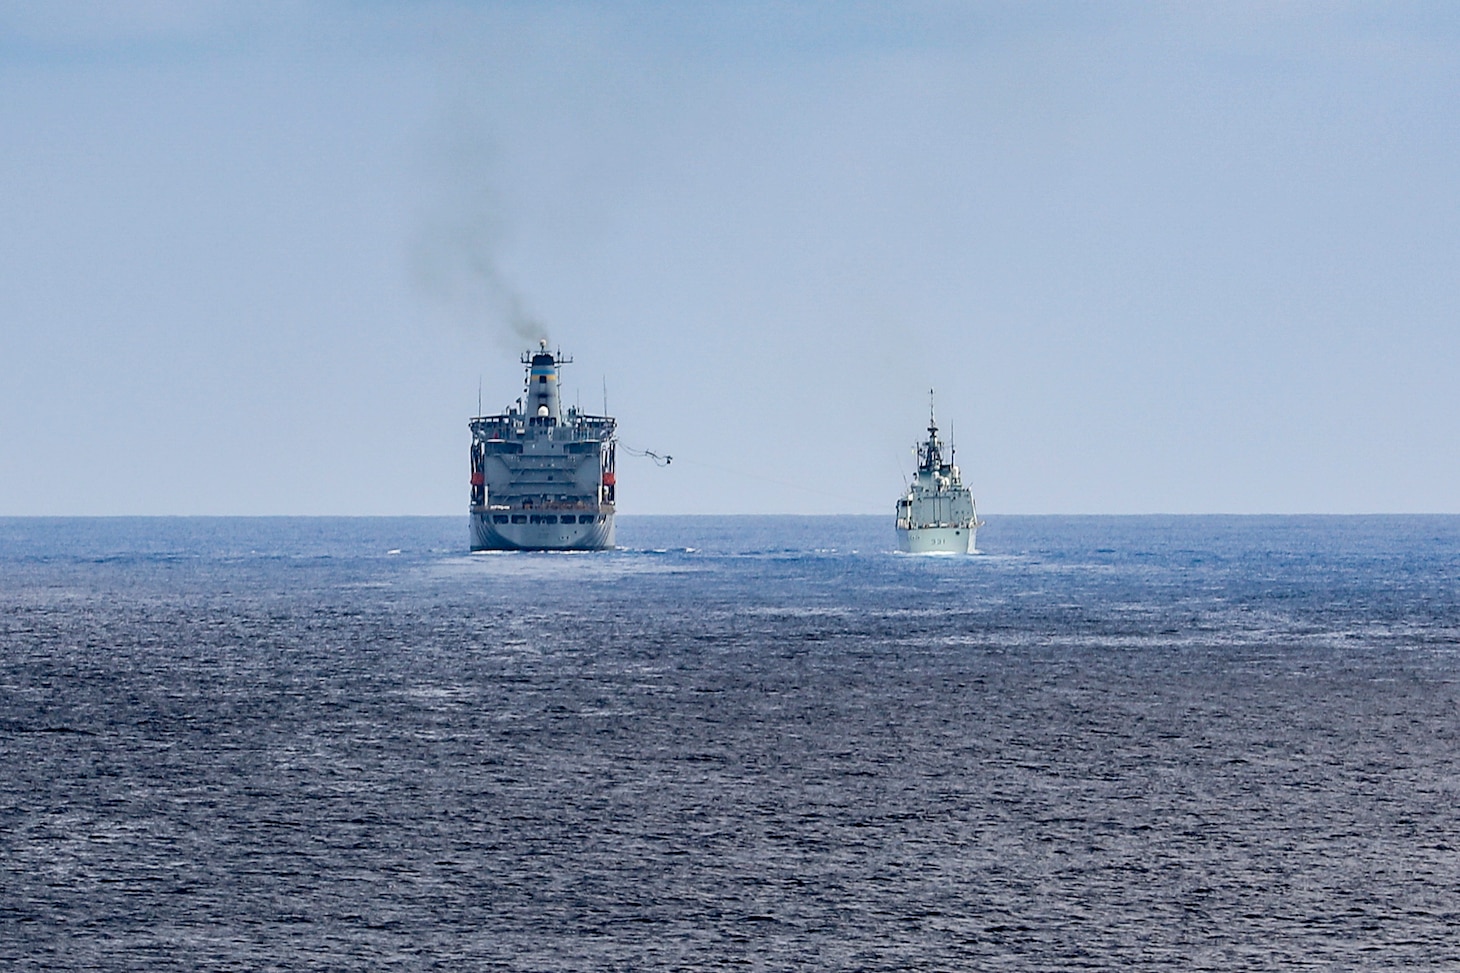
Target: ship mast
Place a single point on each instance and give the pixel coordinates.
(931, 453)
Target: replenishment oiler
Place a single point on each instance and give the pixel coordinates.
(542, 479)
(937, 514)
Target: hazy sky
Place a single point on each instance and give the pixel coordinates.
(259, 258)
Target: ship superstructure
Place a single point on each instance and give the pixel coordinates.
(937, 513)
(542, 478)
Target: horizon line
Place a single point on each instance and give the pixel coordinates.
(439, 516)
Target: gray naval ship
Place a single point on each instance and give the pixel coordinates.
(937, 514)
(542, 479)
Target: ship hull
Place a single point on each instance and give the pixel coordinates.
(486, 535)
(936, 540)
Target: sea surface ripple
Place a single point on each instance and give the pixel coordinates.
(1146, 743)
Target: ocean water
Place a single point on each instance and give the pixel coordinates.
(1200, 743)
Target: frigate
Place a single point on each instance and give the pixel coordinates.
(937, 514)
(542, 479)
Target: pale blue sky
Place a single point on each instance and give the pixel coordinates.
(1155, 257)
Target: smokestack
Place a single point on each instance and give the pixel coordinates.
(542, 387)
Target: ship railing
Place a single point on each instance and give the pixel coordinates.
(493, 427)
(576, 506)
(504, 426)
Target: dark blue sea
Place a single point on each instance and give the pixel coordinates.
(764, 743)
